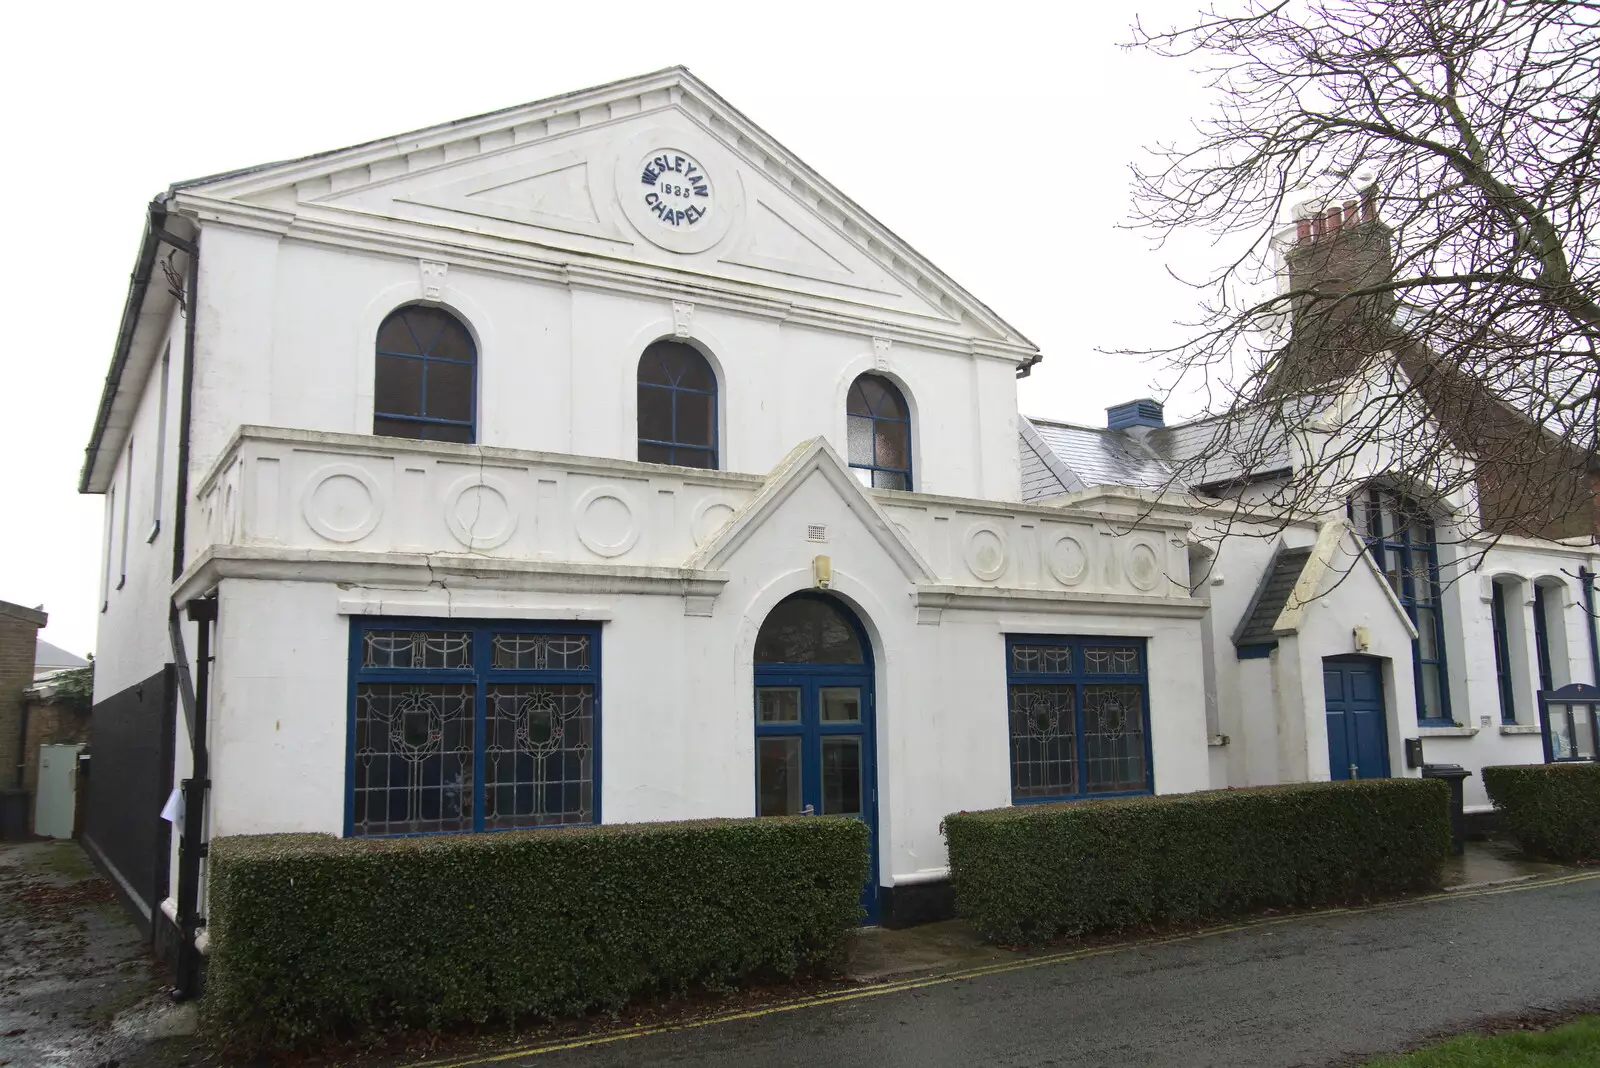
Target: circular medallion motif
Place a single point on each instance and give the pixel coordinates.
(675, 189)
(479, 513)
(1143, 567)
(340, 503)
(605, 522)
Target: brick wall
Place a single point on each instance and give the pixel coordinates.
(19, 632)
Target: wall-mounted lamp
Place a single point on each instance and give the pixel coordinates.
(821, 572)
(1363, 639)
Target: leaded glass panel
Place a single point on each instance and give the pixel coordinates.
(413, 758)
(1110, 660)
(1113, 738)
(1041, 659)
(1043, 741)
(416, 650)
(423, 761)
(538, 755)
(541, 652)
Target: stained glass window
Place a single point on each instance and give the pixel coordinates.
(878, 433)
(472, 726)
(1078, 718)
(425, 376)
(677, 406)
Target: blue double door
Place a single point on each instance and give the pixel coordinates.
(814, 752)
(1358, 729)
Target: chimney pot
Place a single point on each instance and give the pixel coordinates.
(1302, 229)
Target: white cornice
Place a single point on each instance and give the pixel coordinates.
(566, 267)
(421, 571)
(671, 88)
(991, 599)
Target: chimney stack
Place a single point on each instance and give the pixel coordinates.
(1143, 412)
(1336, 251)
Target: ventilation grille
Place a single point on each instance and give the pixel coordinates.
(816, 532)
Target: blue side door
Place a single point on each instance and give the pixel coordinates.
(1358, 730)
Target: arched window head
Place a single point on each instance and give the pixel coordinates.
(878, 425)
(425, 377)
(677, 406)
(1400, 536)
(808, 629)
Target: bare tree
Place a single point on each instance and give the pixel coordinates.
(1407, 191)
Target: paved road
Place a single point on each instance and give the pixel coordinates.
(1305, 992)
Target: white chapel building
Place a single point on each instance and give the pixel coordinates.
(595, 460)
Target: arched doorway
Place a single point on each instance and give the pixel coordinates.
(814, 719)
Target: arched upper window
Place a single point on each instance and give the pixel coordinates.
(425, 377)
(677, 406)
(879, 433)
(1400, 537)
(808, 629)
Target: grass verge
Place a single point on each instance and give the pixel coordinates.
(1575, 1044)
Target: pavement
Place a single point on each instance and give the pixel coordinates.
(1507, 936)
(1313, 989)
(77, 986)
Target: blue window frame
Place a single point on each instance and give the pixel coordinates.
(1541, 637)
(1079, 717)
(1502, 654)
(472, 725)
(878, 433)
(425, 377)
(1400, 537)
(677, 406)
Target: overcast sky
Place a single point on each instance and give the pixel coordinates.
(995, 139)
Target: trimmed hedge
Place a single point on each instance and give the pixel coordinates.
(1552, 810)
(1035, 872)
(313, 935)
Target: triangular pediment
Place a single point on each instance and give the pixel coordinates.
(554, 194)
(811, 462)
(656, 171)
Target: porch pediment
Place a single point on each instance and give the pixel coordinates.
(811, 461)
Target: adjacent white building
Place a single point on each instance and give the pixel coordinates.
(597, 461)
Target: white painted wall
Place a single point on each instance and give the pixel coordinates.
(132, 642)
(677, 735)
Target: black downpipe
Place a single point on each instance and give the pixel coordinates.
(1587, 578)
(192, 847)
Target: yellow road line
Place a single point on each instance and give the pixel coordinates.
(1001, 968)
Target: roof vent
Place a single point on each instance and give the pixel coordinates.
(1141, 412)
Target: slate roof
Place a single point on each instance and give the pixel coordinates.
(47, 658)
(1210, 451)
(1100, 457)
(1277, 582)
(1203, 453)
